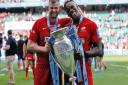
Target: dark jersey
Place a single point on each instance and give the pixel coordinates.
(13, 46)
(20, 44)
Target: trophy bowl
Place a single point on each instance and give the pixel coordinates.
(64, 52)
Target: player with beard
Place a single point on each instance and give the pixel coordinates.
(36, 43)
(88, 33)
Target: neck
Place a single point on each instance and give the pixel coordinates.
(76, 19)
(52, 20)
(9, 35)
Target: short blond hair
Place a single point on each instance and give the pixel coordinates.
(53, 1)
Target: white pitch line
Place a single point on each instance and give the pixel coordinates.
(115, 65)
(2, 74)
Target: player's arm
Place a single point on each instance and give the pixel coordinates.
(97, 50)
(97, 46)
(7, 45)
(24, 49)
(33, 47)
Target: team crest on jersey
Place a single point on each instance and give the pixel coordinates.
(43, 28)
(83, 29)
(32, 31)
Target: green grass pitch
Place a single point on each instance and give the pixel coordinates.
(116, 73)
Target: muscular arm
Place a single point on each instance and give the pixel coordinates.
(33, 47)
(97, 50)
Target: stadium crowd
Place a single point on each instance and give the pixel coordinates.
(113, 26)
(11, 1)
(113, 29)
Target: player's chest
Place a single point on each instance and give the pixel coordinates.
(44, 31)
(84, 32)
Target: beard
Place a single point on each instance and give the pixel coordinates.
(54, 15)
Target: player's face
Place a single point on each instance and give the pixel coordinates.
(53, 9)
(72, 9)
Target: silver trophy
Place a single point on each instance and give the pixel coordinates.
(64, 53)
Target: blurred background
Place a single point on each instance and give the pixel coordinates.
(111, 17)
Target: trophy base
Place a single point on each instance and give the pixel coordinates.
(72, 80)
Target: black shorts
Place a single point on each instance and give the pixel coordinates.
(20, 56)
(0, 52)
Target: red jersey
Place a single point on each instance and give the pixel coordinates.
(40, 30)
(30, 56)
(87, 31)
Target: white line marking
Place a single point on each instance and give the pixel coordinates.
(115, 65)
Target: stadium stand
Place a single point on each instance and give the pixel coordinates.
(111, 18)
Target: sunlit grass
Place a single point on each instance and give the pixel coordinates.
(116, 73)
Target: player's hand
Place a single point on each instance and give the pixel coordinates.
(77, 55)
(47, 47)
(51, 40)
